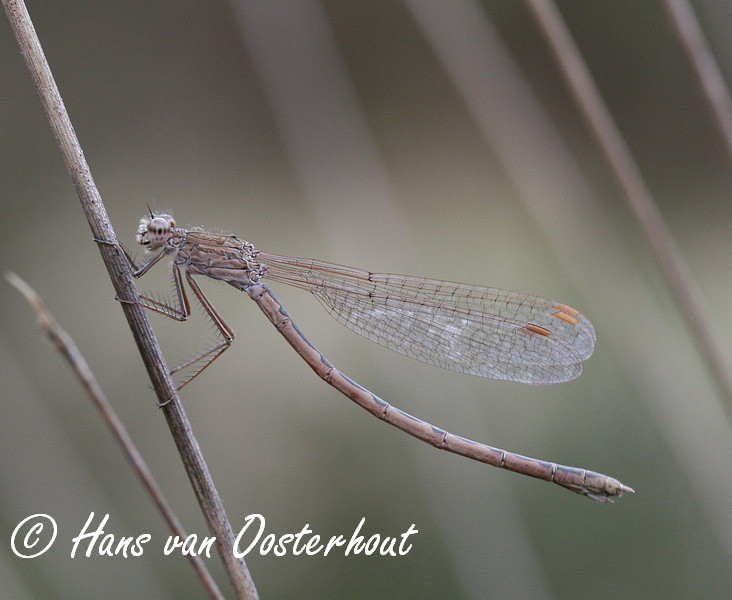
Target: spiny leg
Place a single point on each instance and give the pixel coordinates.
(179, 310)
(203, 360)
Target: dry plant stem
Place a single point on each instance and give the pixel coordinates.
(65, 344)
(121, 277)
(705, 68)
(636, 192)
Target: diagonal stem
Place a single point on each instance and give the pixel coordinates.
(121, 276)
(71, 352)
(637, 193)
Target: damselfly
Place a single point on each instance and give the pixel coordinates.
(477, 330)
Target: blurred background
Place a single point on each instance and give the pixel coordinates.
(422, 137)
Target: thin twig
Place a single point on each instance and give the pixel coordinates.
(704, 66)
(119, 271)
(637, 194)
(65, 344)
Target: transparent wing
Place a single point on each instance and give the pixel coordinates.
(477, 330)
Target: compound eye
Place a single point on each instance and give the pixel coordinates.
(158, 226)
(158, 231)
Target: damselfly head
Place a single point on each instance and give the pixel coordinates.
(154, 230)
